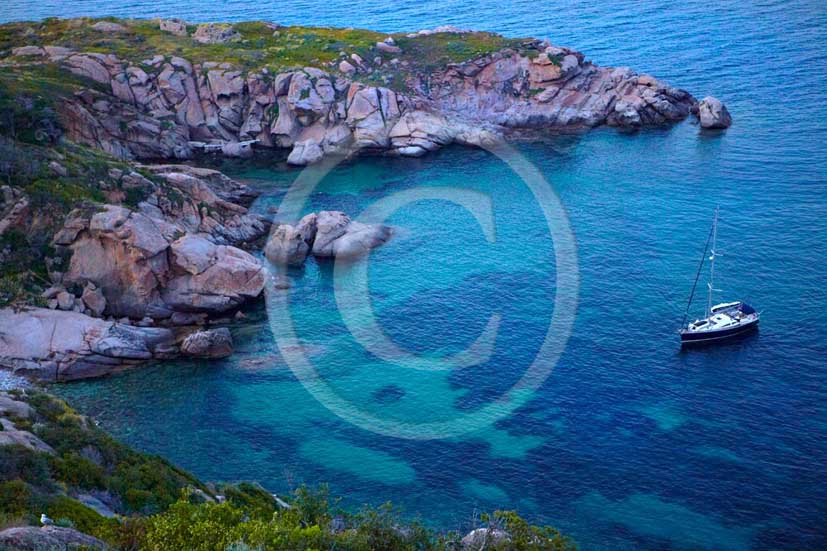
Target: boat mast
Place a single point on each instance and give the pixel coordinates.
(712, 264)
(697, 277)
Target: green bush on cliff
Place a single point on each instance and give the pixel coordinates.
(81, 517)
(87, 458)
(15, 497)
(167, 508)
(20, 463)
(309, 524)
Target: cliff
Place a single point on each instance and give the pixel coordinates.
(162, 89)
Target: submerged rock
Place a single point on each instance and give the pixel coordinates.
(215, 343)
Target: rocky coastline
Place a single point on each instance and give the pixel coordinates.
(139, 261)
(169, 106)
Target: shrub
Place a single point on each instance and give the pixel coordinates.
(15, 497)
(75, 470)
(81, 517)
(526, 537)
(206, 527)
(253, 499)
(19, 462)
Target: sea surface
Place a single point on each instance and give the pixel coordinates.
(629, 443)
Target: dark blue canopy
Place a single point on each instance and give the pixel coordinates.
(747, 309)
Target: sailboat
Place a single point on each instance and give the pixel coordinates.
(723, 321)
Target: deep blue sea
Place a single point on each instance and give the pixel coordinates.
(630, 443)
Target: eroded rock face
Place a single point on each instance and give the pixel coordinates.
(326, 234)
(210, 278)
(33, 538)
(10, 435)
(53, 345)
(158, 109)
(141, 267)
(713, 114)
(175, 253)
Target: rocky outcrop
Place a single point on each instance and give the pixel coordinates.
(14, 206)
(713, 114)
(108, 27)
(215, 343)
(176, 252)
(52, 345)
(326, 234)
(32, 538)
(173, 26)
(10, 436)
(557, 88)
(289, 245)
(215, 33)
(163, 106)
(144, 264)
(12, 411)
(485, 538)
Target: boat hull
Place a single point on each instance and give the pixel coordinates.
(704, 337)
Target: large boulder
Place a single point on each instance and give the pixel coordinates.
(289, 245)
(216, 33)
(371, 112)
(326, 234)
(213, 278)
(174, 26)
(53, 345)
(33, 538)
(418, 132)
(338, 236)
(713, 114)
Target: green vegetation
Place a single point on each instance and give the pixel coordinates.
(161, 507)
(311, 523)
(262, 45)
(433, 51)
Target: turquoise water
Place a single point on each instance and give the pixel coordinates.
(629, 443)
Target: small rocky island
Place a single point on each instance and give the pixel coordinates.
(115, 253)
